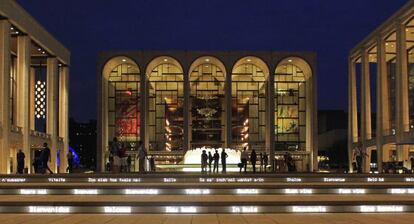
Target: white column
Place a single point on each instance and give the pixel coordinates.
(382, 101)
(23, 76)
(32, 98)
(187, 109)
(228, 142)
(270, 118)
(52, 84)
(4, 93)
(352, 110)
(402, 106)
(365, 105)
(64, 115)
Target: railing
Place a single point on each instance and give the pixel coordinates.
(16, 129)
(39, 134)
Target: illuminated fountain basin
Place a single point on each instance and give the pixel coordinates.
(193, 157)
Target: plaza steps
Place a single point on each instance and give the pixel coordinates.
(200, 193)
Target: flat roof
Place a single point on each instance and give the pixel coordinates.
(23, 21)
(386, 27)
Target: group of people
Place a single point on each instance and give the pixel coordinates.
(244, 157)
(209, 159)
(213, 159)
(119, 161)
(40, 162)
(41, 159)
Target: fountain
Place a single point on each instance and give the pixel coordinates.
(193, 157)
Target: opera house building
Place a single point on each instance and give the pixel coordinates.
(178, 102)
(381, 94)
(34, 91)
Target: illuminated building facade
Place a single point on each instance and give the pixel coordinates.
(33, 90)
(174, 101)
(381, 79)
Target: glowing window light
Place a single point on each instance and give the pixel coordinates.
(33, 191)
(247, 191)
(311, 209)
(40, 99)
(49, 209)
(141, 191)
(85, 191)
(117, 209)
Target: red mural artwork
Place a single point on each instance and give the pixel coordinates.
(127, 116)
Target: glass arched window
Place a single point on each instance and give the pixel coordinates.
(248, 104)
(166, 104)
(290, 107)
(207, 103)
(124, 103)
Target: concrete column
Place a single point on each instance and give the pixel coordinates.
(64, 115)
(52, 99)
(381, 101)
(23, 76)
(270, 118)
(402, 106)
(32, 98)
(4, 93)
(228, 99)
(187, 108)
(352, 110)
(144, 93)
(365, 106)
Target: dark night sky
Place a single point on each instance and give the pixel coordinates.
(328, 27)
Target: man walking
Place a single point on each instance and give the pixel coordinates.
(45, 158)
(142, 154)
(20, 161)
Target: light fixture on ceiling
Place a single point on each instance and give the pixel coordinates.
(124, 60)
(207, 60)
(165, 59)
(249, 60)
(290, 60)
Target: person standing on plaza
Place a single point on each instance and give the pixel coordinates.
(69, 157)
(45, 158)
(261, 162)
(114, 154)
(216, 161)
(359, 155)
(265, 161)
(20, 161)
(223, 160)
(204, 159)
(412, 164)
(142, 154)
(243, 159)
(210, 161)
(253, 159)
(129, 162)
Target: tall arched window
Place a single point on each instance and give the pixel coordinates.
(249, 78)
(165, 105)
(207, 103)
(291, 105)
(123, 96)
